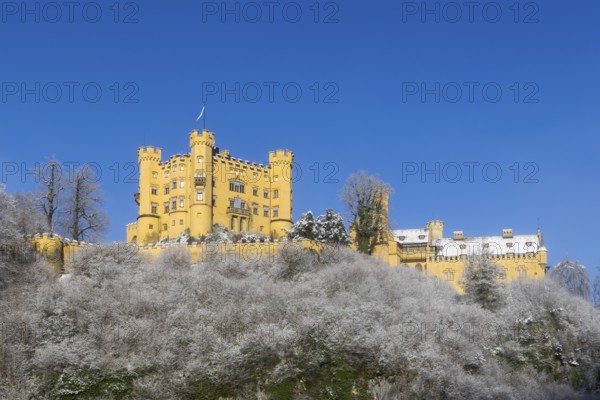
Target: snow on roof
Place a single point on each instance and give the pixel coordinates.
(494, 245)
(411, 236)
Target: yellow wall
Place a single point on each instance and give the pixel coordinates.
(176, 179)
(59, 252)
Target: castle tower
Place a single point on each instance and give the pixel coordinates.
(281, 164)
(202, 170)
(436, 230)
(148, 220)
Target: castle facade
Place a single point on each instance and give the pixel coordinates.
(426, 249)
(189, 193)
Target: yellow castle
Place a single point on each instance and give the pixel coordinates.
(520, 256)
(192, 192)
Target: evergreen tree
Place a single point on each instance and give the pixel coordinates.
(331, 229)
(480, 282)
(305, 228)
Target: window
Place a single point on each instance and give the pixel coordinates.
(154, 208)
(199, 195)
(276, 178)
(181, 202)
(174, 184)
(255, 209)
(266, 193)
(266, 211)
(237, 187)
(522, 272)
(151, 227)
(182, 184)
(166, 206)
(276, 193)
(180, 222)
(254, 191)
(261, 228)
(167, 189)
(173, 223)
(449, 275)
(154, 174)
(165, 227)
(275, 212)
(174, 203)
(242, 204)
(181, 167)
(199, 174)
(154, 190)
(214, 200)
(199, 160)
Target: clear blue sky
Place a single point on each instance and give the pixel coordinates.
(367, 62)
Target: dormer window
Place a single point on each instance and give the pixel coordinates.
(421, 237)
(401, 238)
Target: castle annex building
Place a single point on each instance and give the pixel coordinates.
(520, 256)
(194, 191)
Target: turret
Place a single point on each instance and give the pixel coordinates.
(436, 230)
(148, 222)
(202, 174)
(281, 164)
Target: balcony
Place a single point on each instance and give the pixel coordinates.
(200, 181)
(136, 198)
(240, 211)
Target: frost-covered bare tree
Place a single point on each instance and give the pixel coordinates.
(8, 233)
(572, 276)
(480, 282)
(82, 217)
(596, 291)
(366, 198)
(51, 187)
(29, 219)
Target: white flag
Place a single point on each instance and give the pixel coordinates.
(201, 114)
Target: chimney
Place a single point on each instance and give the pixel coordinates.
(507, 233)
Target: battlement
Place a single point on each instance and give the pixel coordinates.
(281, 157)
(149, 153)
(204, 138)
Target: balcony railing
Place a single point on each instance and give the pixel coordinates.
(236, 210)
(136, 198)
(200, 181)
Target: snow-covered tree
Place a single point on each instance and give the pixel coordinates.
(82, 217)
(366, 198)
(480, 282)
(29, 218)
(596, 291)
(331, 229)
(304, 228)
(572, 276)
(218, 234)
(51, 187)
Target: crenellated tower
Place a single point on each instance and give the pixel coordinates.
(202, 169)
(436, 230)
(281, 164)
(149, 159)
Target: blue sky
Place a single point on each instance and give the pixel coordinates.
(390, 87)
